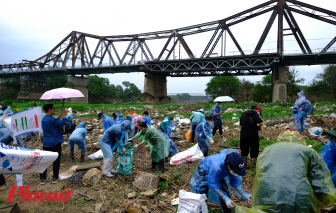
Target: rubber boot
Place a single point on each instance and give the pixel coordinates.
(72, 156)
(245, 162)
(82, 157)
(254, 164)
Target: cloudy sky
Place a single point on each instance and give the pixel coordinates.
(30, 29)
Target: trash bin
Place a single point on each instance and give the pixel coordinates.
(125, 161)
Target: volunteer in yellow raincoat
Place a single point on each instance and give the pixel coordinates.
(157, 144)
(291, 178)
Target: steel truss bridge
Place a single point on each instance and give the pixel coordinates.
(73, 55)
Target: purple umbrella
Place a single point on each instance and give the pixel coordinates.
(62, 93)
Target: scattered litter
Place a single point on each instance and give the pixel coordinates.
(76, 179)
(145, 181)
(175, 201)
(96, 155)
(315, 131)
(191, 202)
(190, 155)
(92, 177)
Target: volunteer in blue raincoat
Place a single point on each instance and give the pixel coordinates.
(214, 173)
(203, 135)
(147, 119)
(131, 133)
(301, 114)
(195, 119)
(107, 121)
(5, 136)
(112, 138)
(5, 111)
(216, 112)
(172, 148)
(121, 117)
(328, 154)
(70, 116)
(167, 125)
(78, 137)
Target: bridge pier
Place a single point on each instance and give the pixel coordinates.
(79, 83)
(279, 80)
(155, 89)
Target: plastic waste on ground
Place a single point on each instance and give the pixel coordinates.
(299, 182)
(145, 181)
(315, 131)
(192, 154)
(96, 155)
(14, 160)
(125, 160)
(92, 177)
(76, 179)
(192, 203)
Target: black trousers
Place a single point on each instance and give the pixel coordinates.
(160, 164)
(193, 129)
(249, 146)
(218, 125)
(2, 180)
(56, 164)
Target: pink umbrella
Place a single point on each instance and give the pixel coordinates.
(62, 93)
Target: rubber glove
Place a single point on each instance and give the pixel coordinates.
(136, 146)
(211, 141)
(230, 204)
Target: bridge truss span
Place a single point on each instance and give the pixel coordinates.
(219, 66)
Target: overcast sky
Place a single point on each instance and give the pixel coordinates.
(30, 29)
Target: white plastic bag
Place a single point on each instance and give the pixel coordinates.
(315, 131)
(190, 155)
(96, 155)
(192, 203)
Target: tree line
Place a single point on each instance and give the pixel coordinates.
(99, 89)
(322, 87)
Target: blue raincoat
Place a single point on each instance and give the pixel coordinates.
(212, 174)
(78, 137)
(132, 132)
(147, 120)
(301, 115)
(2, 113)
(107, 122)
(203, 134)
(328, 154)
(70, 117)
(197, 117)
(113, 137)
(214, 110)
(167, 126)
(121, 117)
(5, 136)
(172, 148)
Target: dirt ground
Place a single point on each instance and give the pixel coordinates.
(111, 194)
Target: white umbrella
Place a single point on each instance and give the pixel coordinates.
(223, 99)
